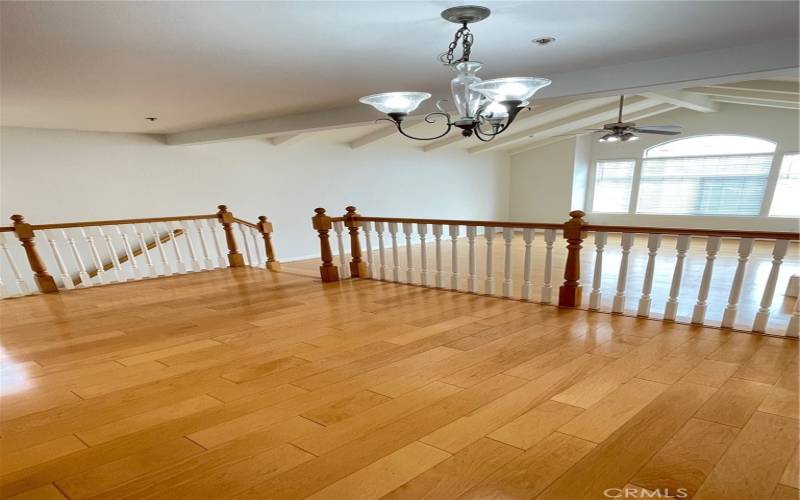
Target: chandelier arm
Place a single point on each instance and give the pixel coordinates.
(497, 130)
(400, 128)
(482, 136)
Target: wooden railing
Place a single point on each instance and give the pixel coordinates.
(385, 263)
(132, 249)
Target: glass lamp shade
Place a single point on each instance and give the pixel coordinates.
(465, 99)
(395, 102)
(628, 136)
(510, 89)
(611, 137)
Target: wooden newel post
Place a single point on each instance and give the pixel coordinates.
(235, 259)
(24, 232)
(265, 228)
(322, 223)
(358, 268)
(569, 295)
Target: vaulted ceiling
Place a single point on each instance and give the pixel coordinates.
(225, 70)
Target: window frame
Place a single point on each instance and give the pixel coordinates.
(589, 201)
(766, 202)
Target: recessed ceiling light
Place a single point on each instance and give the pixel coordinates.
(151, 118)
(544, 40)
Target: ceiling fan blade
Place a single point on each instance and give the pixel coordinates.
(660, 127)
(657, 132)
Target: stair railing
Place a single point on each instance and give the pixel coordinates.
(91, 253)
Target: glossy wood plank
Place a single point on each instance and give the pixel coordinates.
(456, 475)
(755, 461)
(687, 459)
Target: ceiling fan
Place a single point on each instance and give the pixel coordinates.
(624, 132)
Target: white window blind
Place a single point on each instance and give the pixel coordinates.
(613, 180)
(786, 201)
(704, 185)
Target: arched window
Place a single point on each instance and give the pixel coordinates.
(711, 145)
(700, 175)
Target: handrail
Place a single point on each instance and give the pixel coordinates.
(6, 229)
(723, 233)
(458, 222)
(249, 224)
(115, 222)
(768, 235)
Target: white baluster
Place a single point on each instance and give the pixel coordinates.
(249, 256)
(187, 235)
(437, 238)
(66, 279)
(222, 260)
(3, 290)
(344, 268)
(527, 285)
(600, 240)
(166, 268)
(137, 274)
(116, 270)
(729, 315)
(381, 249)
(547, 285)
(619, 298)
(472, 265)
(671, 308)
(395, 256)
(367, 227)
(22, 286)
(454, 277)
(408, 230)
(488, 234)
(259, 252)
(793, 329)
(762, 316)
(180, 267)
(76, 255)
(198, 226)
(699, 311)
(151, 269)
(98, 261)
(422, 230)
(653, 242)
(508, 238)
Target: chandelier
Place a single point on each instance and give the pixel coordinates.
(486, 108)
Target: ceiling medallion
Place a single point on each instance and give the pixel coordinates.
(486, 108)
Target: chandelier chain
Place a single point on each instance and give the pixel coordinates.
(465, 36)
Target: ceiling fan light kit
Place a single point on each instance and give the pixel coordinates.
(625, 132)
(486, 108)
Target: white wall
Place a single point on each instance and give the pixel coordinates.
(541, 183)
(542, 178)
(59, 176)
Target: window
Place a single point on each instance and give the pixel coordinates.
(613, 180)
(702, 175)
(704, 185)
(785, 202)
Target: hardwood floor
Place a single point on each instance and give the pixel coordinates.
(249, 384)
